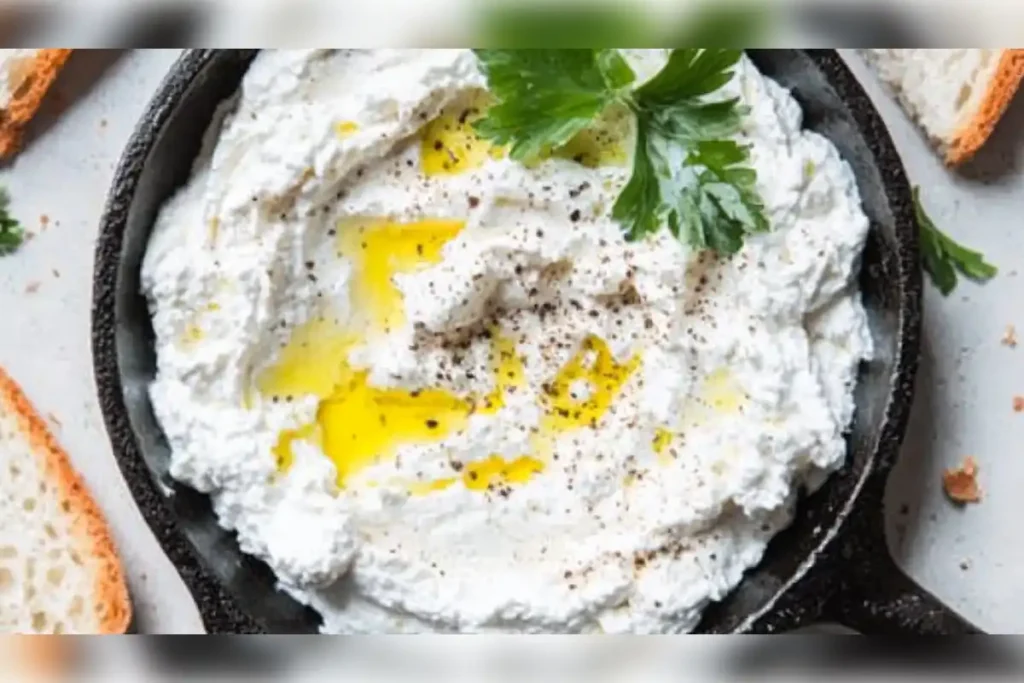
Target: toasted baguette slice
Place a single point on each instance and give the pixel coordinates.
(955, 96)
(59, 571)
(25, 76)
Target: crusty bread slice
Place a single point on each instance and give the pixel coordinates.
(955, 96)
(59, 571)
(25, 77)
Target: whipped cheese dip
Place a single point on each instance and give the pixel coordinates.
(437, 390)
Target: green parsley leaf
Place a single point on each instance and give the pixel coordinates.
(615, 70)
(705, 188)
(689, 73)
(545, 97)
(688, 172)
(717, 208)
(11, 233)
(638, 207)
(943, 258)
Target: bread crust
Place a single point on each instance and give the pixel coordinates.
(29, 82)
(998, 93)
(91, 534)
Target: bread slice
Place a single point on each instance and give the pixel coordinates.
(25, 77)
(955, 96)
(59, 571)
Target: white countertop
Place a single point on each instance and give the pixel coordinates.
(970, 558)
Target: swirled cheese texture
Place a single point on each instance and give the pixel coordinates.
(436, 390)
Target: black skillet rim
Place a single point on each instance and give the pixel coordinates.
(858, 525)
(219, 609)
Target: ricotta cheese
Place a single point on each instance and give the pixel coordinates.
(436, 390)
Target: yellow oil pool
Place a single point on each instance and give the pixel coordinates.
(593, 371)
(449, 144)
(357, 424)
(662, 440)
(344, 129)
(606, 142)
(379, 250)
(722, 393)
(493, 471)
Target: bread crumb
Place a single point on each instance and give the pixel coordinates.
(1018, 404)
(44, 221)
(1010, 337)
(32, 287)
(961, 484)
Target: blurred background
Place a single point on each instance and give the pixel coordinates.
(508, 23)
(566, 659)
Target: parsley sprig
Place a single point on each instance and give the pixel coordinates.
(11, 233)
(688, 171)
(942, 257)
(545, 97)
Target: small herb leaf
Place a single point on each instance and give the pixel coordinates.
(545, 97)
(689, 73)
(11, 232)
(706, 187)
(942, 257)
(614, 68)
(688, 171)
(637, 207)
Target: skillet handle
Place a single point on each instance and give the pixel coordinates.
(878, 598)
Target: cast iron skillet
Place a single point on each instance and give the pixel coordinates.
(832, 563)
